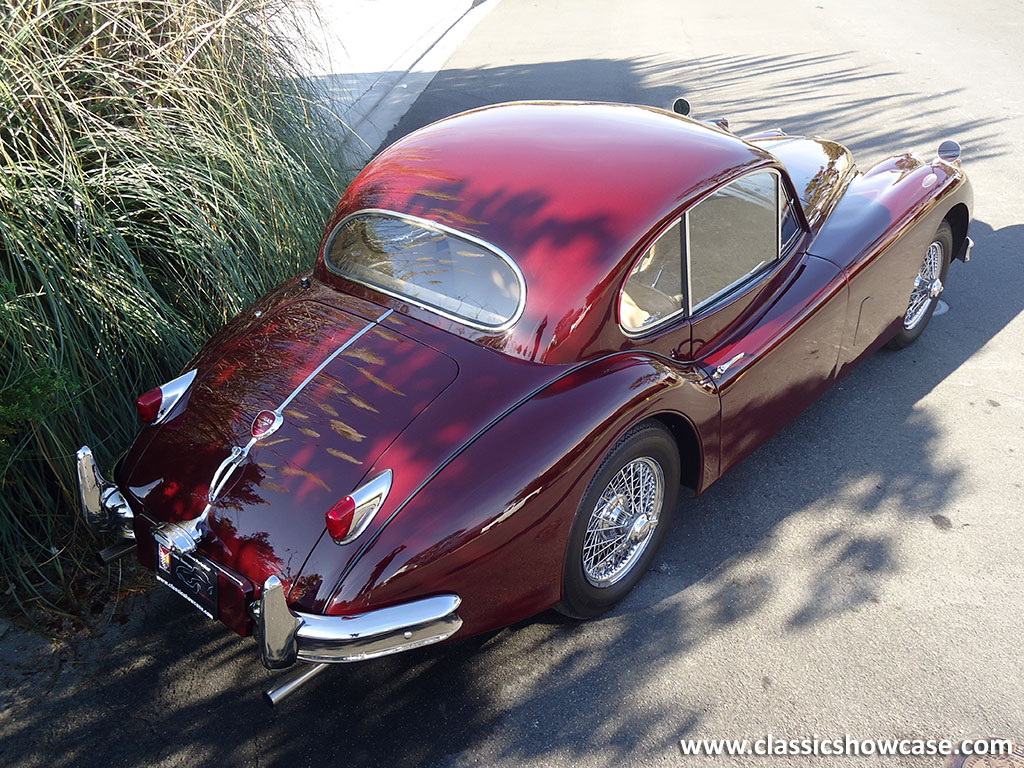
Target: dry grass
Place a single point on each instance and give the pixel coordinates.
(161, 165)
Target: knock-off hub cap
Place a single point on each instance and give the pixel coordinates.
(623, 521)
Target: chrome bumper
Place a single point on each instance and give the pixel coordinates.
(287, 636)
(102, 505)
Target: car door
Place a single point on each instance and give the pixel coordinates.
(766, 317)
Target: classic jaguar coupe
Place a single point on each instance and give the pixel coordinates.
(528, 327)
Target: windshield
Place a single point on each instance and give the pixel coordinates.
(430, 265)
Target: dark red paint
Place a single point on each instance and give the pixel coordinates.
(493, 437)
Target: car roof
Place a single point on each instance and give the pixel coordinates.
(567, 189)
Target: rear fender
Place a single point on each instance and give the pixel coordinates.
(493, 524)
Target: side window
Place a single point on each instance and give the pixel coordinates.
(732, 234)
(789, 224)
(654, 289)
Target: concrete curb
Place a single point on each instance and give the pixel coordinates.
(380, 58)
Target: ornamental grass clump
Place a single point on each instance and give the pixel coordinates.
(162, 164)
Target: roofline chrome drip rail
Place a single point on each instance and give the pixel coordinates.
(183, 537)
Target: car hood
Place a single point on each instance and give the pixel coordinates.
(337, 422)
(819, 169)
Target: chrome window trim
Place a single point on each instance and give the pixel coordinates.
(520, 279)
(686, 258)
(641, 332)
(778, 217)
(793, 240)
(718, 298)
(794, 203)
(714, 299)
(728, 290)
(687, 310)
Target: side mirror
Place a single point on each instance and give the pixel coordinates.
(681, 106)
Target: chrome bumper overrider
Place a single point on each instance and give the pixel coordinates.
(968, 246)
(287, 636)
(103, 507)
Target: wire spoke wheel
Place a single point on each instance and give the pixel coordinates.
(623, 521)
(927, 286)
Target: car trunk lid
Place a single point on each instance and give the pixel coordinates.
(345, 387)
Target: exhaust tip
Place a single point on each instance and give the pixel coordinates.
(305, 673)
(114, 552)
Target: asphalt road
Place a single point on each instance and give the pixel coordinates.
(861, 573)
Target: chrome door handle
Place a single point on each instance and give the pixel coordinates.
(721, 370)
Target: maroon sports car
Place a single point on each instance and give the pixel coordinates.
(528, 327)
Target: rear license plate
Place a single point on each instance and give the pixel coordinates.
(190, 577)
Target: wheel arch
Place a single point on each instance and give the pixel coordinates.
(688, 443)
(959, 218)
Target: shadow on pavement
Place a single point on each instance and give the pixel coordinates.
(806, 94)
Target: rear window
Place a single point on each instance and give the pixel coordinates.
(429, 265)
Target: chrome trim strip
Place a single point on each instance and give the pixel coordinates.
(421, 304)
(288, 636)
(778, 215)
(330, 358)
(686, 262)
(728, 290)
(369, 498)
(171, 393)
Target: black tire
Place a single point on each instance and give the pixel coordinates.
(907, 336)
(644, 446)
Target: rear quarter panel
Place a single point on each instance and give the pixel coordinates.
(492, 526)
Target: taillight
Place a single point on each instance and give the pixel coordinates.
(154, 406)
(339, 518)
(349, 517)
(148, 405)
